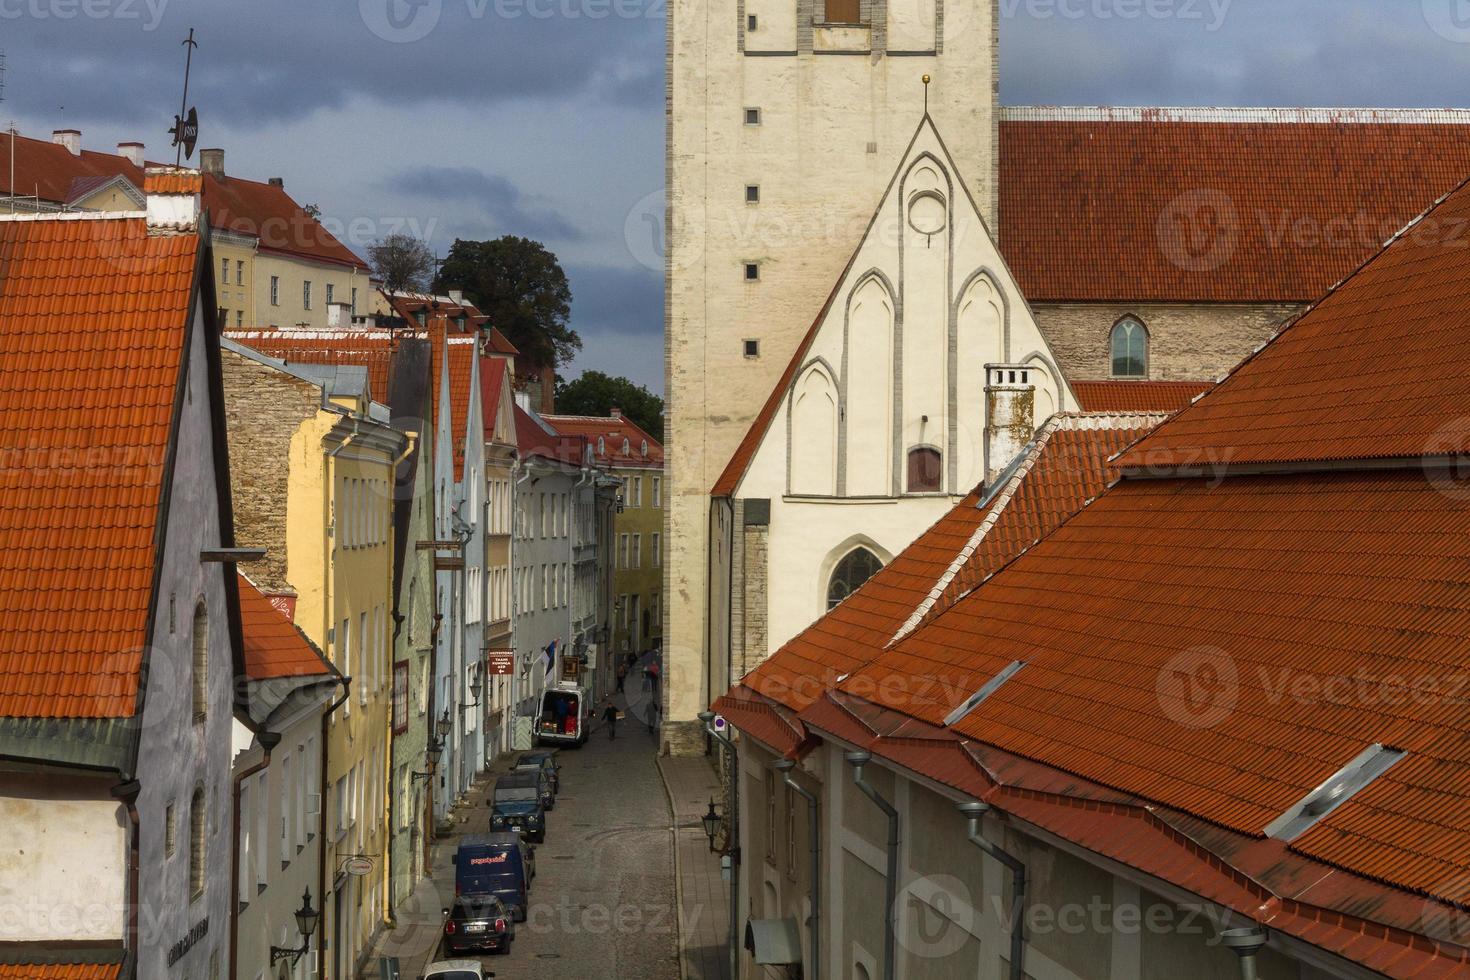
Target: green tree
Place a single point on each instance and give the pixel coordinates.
(521, 287)
(595, 393)
(403, 262)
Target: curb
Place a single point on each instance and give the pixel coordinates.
(678, 871)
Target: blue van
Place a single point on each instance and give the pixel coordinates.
(499, 864)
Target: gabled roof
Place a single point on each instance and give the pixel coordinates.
(1213, 205)
(364, 347)
(1137, 396)
(494, 377)
(536, 438)
(410, 306)
(274, 647)
(612, 430)
(1375, 370)
(94, 314)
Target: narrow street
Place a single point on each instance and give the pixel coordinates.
(602, 904)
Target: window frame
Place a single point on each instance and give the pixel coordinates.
(1126, 321)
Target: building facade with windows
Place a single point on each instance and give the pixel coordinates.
(636, 557)
(312, 444)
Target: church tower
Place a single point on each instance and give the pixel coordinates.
(786, 119)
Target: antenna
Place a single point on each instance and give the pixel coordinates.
(2, 74)
(186, 123)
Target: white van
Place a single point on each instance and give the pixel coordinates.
(564, 716)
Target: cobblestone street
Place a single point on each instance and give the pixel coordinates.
(602, 905)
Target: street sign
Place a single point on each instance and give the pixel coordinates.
(358, 866)
(720, 723)
(500, 663)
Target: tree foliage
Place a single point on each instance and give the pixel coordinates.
(521, 287)
(403, 262)
(595, 393)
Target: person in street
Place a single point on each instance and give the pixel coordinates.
(622, 675)
(610, 715)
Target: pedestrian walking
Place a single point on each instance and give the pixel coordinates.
(610, 715)
(622, 675)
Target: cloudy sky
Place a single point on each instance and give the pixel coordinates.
(476, 118)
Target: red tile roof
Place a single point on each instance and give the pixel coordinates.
(410, 305)
(60, 971)
(92, 324)
(1375, 370)
(247, 207)
(369, 348)
(612, 431)
(274, 647)
(1169, 209)
(1136, 396)
(533, 440)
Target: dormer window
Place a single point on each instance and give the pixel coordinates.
(626, 447)
(419, 316)
(601, 446)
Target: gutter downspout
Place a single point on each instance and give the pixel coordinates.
(1245, 942)
(890, 885)
(708, 717)
(321, 856)
(974, 810)
(814, 830)
(516, 536)
(268, 742)
(128, 793)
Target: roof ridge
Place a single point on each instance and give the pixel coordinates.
(1273, 115)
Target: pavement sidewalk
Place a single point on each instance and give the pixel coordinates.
(703, 895)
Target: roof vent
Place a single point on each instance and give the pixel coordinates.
(991, 686)
(1371, 763)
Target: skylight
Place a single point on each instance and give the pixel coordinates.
(1341, 786)
(974, 700)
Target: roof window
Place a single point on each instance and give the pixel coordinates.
(991, 686)
(1341, 786)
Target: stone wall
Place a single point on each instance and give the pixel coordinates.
(1187, 342)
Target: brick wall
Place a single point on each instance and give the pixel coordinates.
(1186, 342)
(263, 409)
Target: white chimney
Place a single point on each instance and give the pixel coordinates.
(133, 152)
(173, 199)
(339, 314)
(523, 399)
(1010, 415)
(69, 138)
(457, 296)
(212, 162)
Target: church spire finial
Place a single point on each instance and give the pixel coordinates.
(926, 95)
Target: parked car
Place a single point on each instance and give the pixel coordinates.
(478, 924)
(454, 970)
(518, 804)
(545, 760)
(498, 865)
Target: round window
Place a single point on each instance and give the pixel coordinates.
(927, 214)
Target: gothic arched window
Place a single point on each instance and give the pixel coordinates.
(924, 470)
(851, 572)
(1130, 349)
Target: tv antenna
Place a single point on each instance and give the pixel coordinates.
(2, 74)
(186, 123)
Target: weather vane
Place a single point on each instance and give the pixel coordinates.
(186, 123)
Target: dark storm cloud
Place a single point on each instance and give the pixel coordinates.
(607, 299)
(506, 210)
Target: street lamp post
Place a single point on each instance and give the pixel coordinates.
(711, 821)
(708, 718)
(306, 920)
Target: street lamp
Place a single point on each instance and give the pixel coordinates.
(434, 751)
(306, 920)
(475, 688)
(711, 821)
(445, 725)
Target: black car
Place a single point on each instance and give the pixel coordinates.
(477, 924)
(517, 804)
(544, 761)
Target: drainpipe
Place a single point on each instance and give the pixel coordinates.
(128, 793)
(890, 886)
(974, 810)
(708, 717)
(321, 855)
(1246, 943)
(814, 829)
(268, 742)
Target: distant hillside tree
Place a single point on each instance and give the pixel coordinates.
(595, 393)
(521, 287)
(403, 262)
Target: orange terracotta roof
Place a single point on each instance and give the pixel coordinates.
(612, 431)
(1113, 209)
(173, 182)
(92, 324)
(1136, 396)
(1065, 467)
(60, 971)
(1375, 370)
(410, 306)
(274, 647)
(47, 169)
(369, 348)
(533, 440)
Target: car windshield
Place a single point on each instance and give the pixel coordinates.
(454, 975)
(515, 794)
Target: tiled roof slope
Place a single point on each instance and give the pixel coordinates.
(274, 647)
(1143, 208)
(1136, 396)
(60, 971)
(612, 430)
(1064, 467)
(1224, 649)
(532, 439)
(92, 325)
(1375, 370)
(369, 348)
(410, 305)
(47, 170)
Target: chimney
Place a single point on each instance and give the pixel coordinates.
(133, 152)
(1010, 409)
(173, 199)
(339, 314)
(615, 412)
(69, 138)
(523, 399)
(277, 182)
(212, 162)
(457, 296)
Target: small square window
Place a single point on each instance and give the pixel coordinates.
(752, 116)
(752, 272)
(752, 348)
(752, 193)
(751, 22)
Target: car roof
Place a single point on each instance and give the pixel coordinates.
(472, 965)
(495, 838)
(517, 779)
(534, 756)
